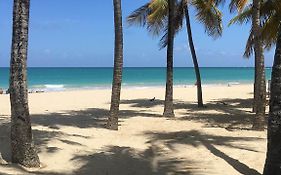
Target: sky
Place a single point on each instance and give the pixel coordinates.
(80, 33)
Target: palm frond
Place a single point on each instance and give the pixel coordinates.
(270, 31)
(270, 21)
(237, 5)
(159, 9)
(178, 21)
(244, 17)
(157, 20)
(210, 16)
(139, 16)
(249, 49)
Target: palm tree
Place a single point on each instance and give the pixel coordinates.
(260, 89)
(256, 39)
(154, 15)
(194, 58)
(118, 65)
(23, 151)
(168, 105)
(270, 35)
(273, 156)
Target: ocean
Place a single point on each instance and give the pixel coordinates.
(57, 79)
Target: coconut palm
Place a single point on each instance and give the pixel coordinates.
(118, 66)
(270, 35)
(255, 38)
(168, 105)
(154, 16)
(23, 151)
(260, 86)
(273, 156)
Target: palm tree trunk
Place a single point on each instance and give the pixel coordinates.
(260, 91)
(23, 151)
(168, 106)
(118, 65)
(194, 59)
(273, 156)
(255, 93)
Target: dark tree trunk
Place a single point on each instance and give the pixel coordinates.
(255, 82)
(273, 156)
(118, 65)
(194, 59)
(260, 86)
(23, 151)
(168, 106)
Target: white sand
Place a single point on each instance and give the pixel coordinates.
(69, 132)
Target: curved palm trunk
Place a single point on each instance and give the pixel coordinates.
(168, 106)
(273, 157)
(118, 65)
(23, 151)
(194, 59)
(260, 87)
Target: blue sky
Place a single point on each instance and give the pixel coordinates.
(72, 33)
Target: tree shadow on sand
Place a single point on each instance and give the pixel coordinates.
(228, 114)
(196, 138)
(225, 113)
(127, 161)
(42, 138)
(93, 117)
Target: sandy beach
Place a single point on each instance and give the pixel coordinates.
(68, 130)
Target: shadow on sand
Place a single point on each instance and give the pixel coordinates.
(127, 161)
(196, 138)
(227, 113)
(124, 160)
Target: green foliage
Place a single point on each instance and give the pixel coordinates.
(154, 15)
(270, 20)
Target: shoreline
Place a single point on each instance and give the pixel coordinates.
(62, 88)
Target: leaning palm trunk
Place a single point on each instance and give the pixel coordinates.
(118, 64)
(260, 87)
(273, 157)
(23, 151)
(168, 106)
(194, 58)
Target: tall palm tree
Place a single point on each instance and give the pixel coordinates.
(271, 34)
(273, 156)
(194, 58)
(118, 66)
(23, 151)
(213, 26)
(168, 105)
(154, 16)
(260, 89)
(256, 38)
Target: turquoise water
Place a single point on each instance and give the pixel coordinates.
(63, 78)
